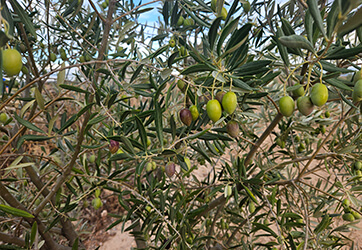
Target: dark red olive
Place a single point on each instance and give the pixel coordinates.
(219, 95)
(170, 169)
(186, 116)
(232, 127)
(113, 146)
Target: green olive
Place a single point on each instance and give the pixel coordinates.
(213, 109)
(319, 94)
(229, 102)
(286, 105)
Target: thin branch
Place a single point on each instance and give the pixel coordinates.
(322, 144)
(211, 231)
(96, 11)
(221, 199)
(12, 239)
(306, 216)
(304, 4)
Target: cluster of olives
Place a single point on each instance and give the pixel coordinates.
(301, 147)
(223, 13)
(185, 21)
(305, 104)
(214, 108)
(228, 103)
(97, 202)
(182, 50)
(151, 166)
(85, 58)
(349, 214)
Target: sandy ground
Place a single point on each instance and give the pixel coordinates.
(119, 240)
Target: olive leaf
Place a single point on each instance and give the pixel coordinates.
(296, 41)
(353, 23)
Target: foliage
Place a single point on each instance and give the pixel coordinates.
(104, 116)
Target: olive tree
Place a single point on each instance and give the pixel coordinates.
(262, 96)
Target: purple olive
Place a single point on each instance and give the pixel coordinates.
(186, 116)
(170, 169)
(232, 127)
(113, 146)
(219, 95)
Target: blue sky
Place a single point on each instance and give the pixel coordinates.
(151, 16)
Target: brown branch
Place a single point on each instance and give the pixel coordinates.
(12, 239)
(96, 11)
(262, 138)
(211, 231)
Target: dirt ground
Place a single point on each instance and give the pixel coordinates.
(117, 239)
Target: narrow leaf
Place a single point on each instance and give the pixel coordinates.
(34, 230)
(344, 53)
(158, 122)
(137, 72)
(73, 88)
(282, 49)
(225, 32)
(213, 32)
(258, 226)
(39, 98)
(314, 11)
(23, 17)
(354, 22)
(3, 39)
(96, 120)
(308, 26)
(15, 211)
(61, 75)
(196, 68)
(28, 124)
(142, 133)
(296, 41)
(173, 127)
(238, 38)
(332, 18)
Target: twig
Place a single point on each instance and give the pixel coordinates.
(322, 144)
(275, 216)
(96, 11)
(211, 231)
(221, 199)
(306, 216)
